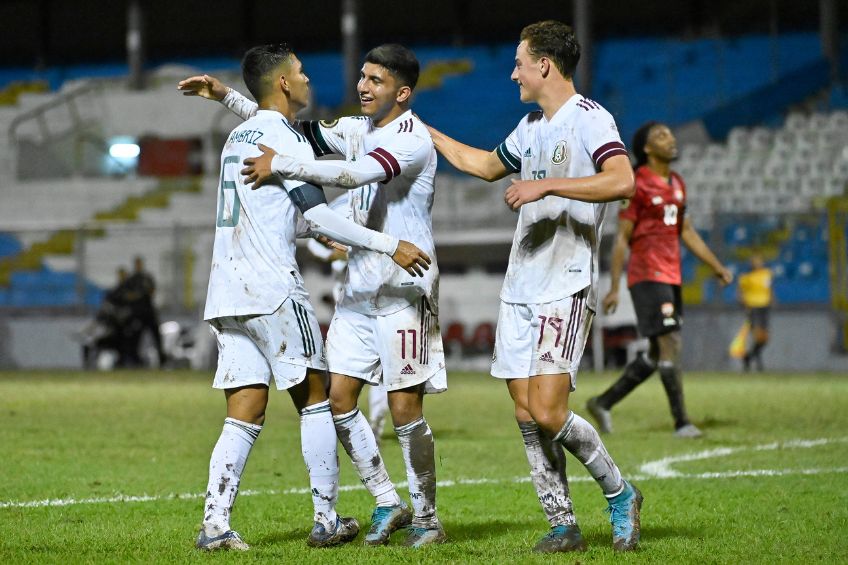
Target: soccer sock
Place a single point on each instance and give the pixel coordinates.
(318, 446)
(360, 444)
(378, 409)
(636, 372)
(225, 468)
(582, 441)
(416, 443)
(670, 375)
(547, 471)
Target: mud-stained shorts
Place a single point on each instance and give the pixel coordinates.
(399, 350)
(542, 339)
(252, 349)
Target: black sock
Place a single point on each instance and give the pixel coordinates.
(635, 373)
(673, 385)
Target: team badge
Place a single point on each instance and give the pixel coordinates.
(667, 309)
(656, 200)
(329, 123)
(560, 153)
(678, 194)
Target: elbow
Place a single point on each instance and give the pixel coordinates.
(626, 187)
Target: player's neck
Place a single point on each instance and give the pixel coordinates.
(662, 168)
(394, 113)
(552, 99)
(279, 104)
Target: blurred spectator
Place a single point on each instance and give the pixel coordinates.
(139, 289)
(755, 293)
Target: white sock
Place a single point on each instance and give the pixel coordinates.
(416, 443)
(318, 445)
(378, 409)
(225, 468)
(359, 442)
(582, 441)
(547, 471)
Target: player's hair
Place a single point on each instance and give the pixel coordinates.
(640, 138)
(398, 60)
(258, 62)
(556, 41)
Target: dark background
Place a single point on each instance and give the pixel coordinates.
(52, 32)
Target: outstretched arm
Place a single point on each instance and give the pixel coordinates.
(614, 182)
(619, 255)
(477, 162)
(211, 88)
(697, 246)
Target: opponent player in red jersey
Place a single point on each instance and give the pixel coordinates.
(652, 225)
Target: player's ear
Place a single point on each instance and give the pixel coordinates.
(404, 93)
(544, 66)
(283, 83)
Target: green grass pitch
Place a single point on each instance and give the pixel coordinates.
(768, 483)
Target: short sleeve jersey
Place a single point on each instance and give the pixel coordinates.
(399, 205)
(755, 288)
(253, 258)
(555, 247)
(657, 210)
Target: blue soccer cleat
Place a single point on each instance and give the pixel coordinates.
(419, 537)
(385, 520)
(624, 511)
(561, 539)
(346, 530)
(228, 540)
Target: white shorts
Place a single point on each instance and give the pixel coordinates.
(252, 349)
(542, 339)
(399, 350)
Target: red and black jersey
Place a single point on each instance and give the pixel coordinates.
(656, 210)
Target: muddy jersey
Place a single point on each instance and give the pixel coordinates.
(555, 247)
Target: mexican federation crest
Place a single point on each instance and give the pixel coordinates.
(560, 153)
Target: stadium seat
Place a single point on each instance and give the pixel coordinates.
(454, 339)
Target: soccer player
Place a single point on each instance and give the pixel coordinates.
(259, 310)
(385, 329)
(571, 162)
(756, 295)
(652, 225)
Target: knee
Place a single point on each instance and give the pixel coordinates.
(550, 420)
(341, 402)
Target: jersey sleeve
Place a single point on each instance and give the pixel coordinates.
(239, 104)
(326, 137)
(599, 134)
(509, 152)
(401, 154)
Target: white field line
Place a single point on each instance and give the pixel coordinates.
(653, 470)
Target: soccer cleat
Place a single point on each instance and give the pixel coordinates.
(228, 540)
(625, 510)
(385, 520)
(689, 431)
(419, 537)
(601, 415)
(346, 530)
(560, 539)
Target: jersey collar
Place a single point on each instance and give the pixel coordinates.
(566, 108)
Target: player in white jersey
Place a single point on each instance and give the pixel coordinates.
(386, 328)
(259, 310)
(571, 161)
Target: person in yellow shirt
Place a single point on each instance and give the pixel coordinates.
(755, 293)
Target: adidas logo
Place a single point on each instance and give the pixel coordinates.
(408, 370)
(527, 153)
(547, 357)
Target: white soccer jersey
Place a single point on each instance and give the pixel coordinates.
(555, 248)
(253, 259)
(400, 205)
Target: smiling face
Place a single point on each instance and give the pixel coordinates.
(661, 144)
(526, 74)
(378, 92)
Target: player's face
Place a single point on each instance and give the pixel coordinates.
(526, 73)
(298, 83)
(661, 144)
(378, 91)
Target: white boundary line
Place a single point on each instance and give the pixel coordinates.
(653, 470)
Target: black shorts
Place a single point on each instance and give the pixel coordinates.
(658, 306)
(759, 318)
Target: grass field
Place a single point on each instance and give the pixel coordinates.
(109, 468)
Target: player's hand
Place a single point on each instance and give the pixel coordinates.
(339, 249)
(523, 192)
(204, 86)
(413, 260)
(725, 277)
(610, 302)
(257, 170)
